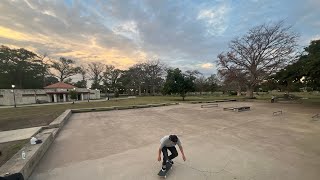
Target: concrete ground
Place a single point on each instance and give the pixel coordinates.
(19, 134)
(219, 145)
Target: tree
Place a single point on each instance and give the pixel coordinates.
(200, 84)
(111, 78)
(305, 72)
(65, 68)
(83, 82)
(312, 64)
(50, 80)
(154, 70)
(20, 67)
(95, 70)
(177, 82)
(134, 78)
(73, 95)
(80, 84)
(44, 62)
(261, 52)
(233, 79)
(212, 83)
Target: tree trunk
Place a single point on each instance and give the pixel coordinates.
(153, 90)
(139, 90)
(249, 92)
(239, 91)
(183, 96)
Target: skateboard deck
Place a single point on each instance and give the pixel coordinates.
(164, 173)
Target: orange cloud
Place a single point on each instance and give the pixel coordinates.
(86, 50)
(14, 35)
(207, 66)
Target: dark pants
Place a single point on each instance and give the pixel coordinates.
(17, 176)
(173, 151)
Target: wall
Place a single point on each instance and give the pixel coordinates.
(29, 96)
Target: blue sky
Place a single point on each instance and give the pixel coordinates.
(184, 34)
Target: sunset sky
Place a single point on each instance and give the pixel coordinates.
(184, 34)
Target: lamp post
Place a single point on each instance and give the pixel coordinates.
(14, 95)
(108, 93)
(75, 95)
(88, 94)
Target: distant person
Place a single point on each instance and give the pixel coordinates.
(168, 143)
(272, 99)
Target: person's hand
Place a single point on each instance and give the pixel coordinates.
(159, 158)
(184, 158)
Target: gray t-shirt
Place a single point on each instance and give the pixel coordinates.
(166, 142)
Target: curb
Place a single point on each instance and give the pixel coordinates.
(215, 101)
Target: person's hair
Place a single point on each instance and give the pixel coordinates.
(173, 138)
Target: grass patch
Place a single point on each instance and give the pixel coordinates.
(9, 149)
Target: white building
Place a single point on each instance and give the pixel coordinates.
(58, 92)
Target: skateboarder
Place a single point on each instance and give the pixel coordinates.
(168, 143)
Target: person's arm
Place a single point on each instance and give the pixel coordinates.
(183, 156)
(159, 155)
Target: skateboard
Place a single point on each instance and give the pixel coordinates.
(164, 173)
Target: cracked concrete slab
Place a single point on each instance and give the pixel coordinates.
(218, 144)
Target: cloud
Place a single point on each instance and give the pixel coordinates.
(207, 66)
(215, 18)
(184, 34)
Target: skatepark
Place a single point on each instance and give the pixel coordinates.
(257, 144)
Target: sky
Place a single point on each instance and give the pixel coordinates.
(184, 34)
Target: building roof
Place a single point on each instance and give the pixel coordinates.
(60, 85)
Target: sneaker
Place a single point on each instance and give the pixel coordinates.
(163, 168)
(171, 162)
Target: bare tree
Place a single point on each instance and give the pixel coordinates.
(262, 51)
(65, 68)
(233, 79)
(95, 70)
(44, 61)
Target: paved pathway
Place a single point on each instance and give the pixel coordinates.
(19, 134)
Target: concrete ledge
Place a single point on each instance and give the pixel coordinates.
(237, 109)
(210, 105)
(92, 109)
(59, 121)
(34, 154)
(169, 104)
(141, 106)
(118, 108)
(53, 131)
(123, 107)
(215, 101)
(156, 105)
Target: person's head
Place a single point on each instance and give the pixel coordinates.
(173, 138)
